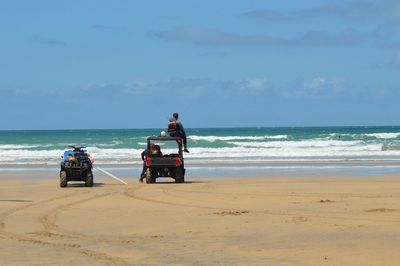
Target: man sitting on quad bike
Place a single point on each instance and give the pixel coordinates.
(175, 129)
(155, 151)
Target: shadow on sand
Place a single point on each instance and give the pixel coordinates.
(173, 182)
(15, 200)
(80, 184)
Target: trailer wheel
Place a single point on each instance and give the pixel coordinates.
(179, 177)
(150, 176)
(63, 179)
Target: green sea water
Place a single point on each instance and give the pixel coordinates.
(118, 146)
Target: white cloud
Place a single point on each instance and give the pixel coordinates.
(264, 15)
(319, 87)
(183, 88)
(350, 9)
(256, 84)
(212, 37)
(316, 88)
(317, 83)
(48, 41)
(345, 9)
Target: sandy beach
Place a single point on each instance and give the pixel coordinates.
(240, 221)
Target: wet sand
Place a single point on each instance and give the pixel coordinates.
(249, 221)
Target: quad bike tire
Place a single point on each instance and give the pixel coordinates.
(89, 179)
(150, 176)
(63, 179)
(179, 176)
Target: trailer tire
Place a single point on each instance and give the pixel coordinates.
(179, 177)
(150, 176)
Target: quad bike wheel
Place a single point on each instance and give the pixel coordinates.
(63, 179)
(89, 179)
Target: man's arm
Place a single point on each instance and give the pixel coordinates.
(144, 153)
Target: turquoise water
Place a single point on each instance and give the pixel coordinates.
(221, 145)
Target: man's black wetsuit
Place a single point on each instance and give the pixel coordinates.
(179, 132)
(144, 154)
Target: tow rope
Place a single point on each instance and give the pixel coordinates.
(110, 175)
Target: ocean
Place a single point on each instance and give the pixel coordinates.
(278, 148)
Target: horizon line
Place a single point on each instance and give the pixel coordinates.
(191, 128)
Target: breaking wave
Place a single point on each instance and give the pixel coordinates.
(384, 135)
(239, 150)
(225, 145)
(228, 138)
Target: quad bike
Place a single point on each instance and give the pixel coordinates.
(76, 166)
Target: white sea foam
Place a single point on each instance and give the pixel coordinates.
(315, 149)
(23, 155)
(391, 147)
(230, 138)
(112, 144)
(19, 146)
(114, 154)
(338, 135)
(384, 135)
(319, 143)
(51, 156)
(276, 137)
(142, 143)
(290, 152)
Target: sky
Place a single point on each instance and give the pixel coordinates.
(131, 64)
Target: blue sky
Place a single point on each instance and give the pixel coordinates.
(130, 64)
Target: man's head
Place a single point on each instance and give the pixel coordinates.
(155, 148)
(175, 115)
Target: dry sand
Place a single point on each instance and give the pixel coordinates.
(249, 221)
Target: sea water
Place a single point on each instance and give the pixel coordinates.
(212, 150)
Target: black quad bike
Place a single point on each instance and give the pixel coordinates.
(169, 163)
(76, 166)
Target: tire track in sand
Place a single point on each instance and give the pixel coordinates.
(131, 194)
(76, 247)
(334, 214)
(48, 220)
(49, 224)
(290, 194)
(4, 215)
